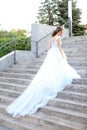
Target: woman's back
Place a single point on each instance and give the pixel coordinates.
(54, 42)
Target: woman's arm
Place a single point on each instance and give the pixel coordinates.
(59, 46)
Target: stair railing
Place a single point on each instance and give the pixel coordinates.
(14, 42)
(66, 23)
(37, 42)
(14, 49)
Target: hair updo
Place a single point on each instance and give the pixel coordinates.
(58, 29)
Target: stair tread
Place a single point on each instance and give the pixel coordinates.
(20, 69)
(69, 112)
(7, 90)
(74, 93)
(21, 123)
(69, 101)
(4, 128)
(12, 84)
(77, 85)
(3, 106)
(14, 78)
(59, 121)
(16, 73)
(6, 97)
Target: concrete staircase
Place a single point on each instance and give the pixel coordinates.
(68, 111)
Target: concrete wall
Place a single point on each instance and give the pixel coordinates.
(38, 31)
(21, 58)
(24, 56)
(7, 61)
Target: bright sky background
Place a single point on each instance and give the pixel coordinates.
(22, 13)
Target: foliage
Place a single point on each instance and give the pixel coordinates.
(55, 12)
(22, 41)
(48, 13)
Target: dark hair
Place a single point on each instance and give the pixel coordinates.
(58, 29)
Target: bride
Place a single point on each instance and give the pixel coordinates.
(54, 74)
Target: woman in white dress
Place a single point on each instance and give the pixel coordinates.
(54, 74)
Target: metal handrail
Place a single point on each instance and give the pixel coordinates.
(13, 41)
(66, 23)
(45, 37)
(8, 43)
(39, 41)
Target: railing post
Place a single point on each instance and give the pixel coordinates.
(15, 51)
(70, 17)
(37, 49)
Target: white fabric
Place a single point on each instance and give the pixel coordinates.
(54, 74)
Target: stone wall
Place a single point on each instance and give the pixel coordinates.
(38, 31)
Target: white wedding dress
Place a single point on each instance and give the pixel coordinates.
(54, 74)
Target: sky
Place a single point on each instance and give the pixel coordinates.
(22, 13)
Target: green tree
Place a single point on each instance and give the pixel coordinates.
(63, 11)
(77, 28)
(21, 32)
(55, 12)
(48, 12)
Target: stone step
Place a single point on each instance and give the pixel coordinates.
(26, 66)
(33, 66)
(77, 54)
(9, 93)
(4, 128)
(78, 63)
(10, 86)
(78, 57)
(69, 104)
(75, 47)
(82, 81)
(5, 100)
(16, 124)
(77, 88)
(79, 67)
(17, 75)
(56, 122)
(32, 71)
(73, 51)
(3, 108)
(75, 44)
(75, 39)
(15, 80)
(69, 51)
(69, 115)
(72, 63)
(74, 96)
(83, 74)
(70, 60)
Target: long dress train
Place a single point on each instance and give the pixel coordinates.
(54, 74)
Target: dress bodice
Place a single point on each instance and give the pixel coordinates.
(55, 43)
